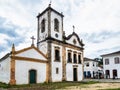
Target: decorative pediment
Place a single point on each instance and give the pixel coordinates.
(74, 40)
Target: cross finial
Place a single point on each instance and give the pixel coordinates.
(73, 28)
(32, 40)
(50, 3)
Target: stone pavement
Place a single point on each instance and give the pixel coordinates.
(102, 80)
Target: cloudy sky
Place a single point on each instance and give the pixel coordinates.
(97, 22)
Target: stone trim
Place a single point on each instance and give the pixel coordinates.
(49, 76)
(38, 31)
(56, 47)
(74, 52)
(82, 62)
(12, 68)
(61, 43)
(69, 51)
(63, 63)
(49, 22)
(49, 8)
(28, 59)
(32, 47)
(67, 45)
(75, 66)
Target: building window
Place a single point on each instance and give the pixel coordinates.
(57, 70)
(56, 25)
(79, 58)
(93, 64)
(106, 61)
(116, 60)
(74, 41)
(57, 54)
(87, 64)
(114, 73)
(107, 73)
(43, 26)
(69, 57)
(74, 58)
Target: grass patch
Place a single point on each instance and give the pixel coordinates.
(47, 86)
(3, 85)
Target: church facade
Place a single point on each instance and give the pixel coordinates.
(56, 58)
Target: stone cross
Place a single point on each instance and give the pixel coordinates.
(32, 40)
(73, 28)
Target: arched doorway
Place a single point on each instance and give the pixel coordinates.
(114, 73)
(32, 76)
(107, 72)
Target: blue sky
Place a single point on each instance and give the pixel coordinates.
(97, 22)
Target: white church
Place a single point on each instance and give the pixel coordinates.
(56, 58)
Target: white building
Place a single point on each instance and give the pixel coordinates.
(91, 69)
(111, 65)
(56, 58)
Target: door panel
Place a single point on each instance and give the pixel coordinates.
(32, 76)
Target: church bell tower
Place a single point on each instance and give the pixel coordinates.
(50, 25)
(50, 29)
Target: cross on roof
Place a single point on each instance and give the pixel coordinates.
(32, 40)
(73, 28)
(50, 3)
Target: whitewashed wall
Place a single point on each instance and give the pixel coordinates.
(56, 77)
(91, 68)
(5, 70)
(22, 71)
(111, 66)
(69, 72)
(69, 66)
(43, 47)
(32, 53)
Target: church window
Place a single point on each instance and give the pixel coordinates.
(69, 57)
(116, 60)
(57, 70)
(43, 26)
(56, 25)
(79, 58)
(57, 54)
(74, 58)
(74, 41)
(87, 64)
(106, 61)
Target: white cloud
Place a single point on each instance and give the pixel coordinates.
(88, 16)
(95, 15)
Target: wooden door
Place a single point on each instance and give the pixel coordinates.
(32, 76)
(75, 74)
